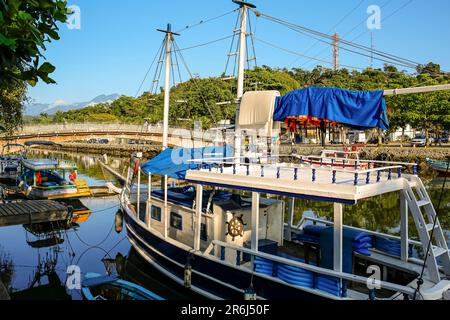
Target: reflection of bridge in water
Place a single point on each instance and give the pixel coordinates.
(85, 131)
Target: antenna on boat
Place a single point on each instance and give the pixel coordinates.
(244, 6)
(168, 42)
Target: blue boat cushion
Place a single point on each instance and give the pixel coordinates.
(353, 241)
(389, 246)
(330, 285)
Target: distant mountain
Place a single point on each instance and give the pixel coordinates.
(60, 105)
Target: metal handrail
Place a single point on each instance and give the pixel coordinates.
(341, 275)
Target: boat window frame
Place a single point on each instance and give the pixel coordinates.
(204, 231)
(178, 216)
(156, 218)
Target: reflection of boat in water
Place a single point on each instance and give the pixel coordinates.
(98, 287)
(10, 163)
(440, 166)
(80, 213)
(46, 179)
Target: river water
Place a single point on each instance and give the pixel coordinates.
(34, 261)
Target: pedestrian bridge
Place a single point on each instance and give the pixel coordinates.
(121, 133)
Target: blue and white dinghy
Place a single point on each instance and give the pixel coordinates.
(96, 287)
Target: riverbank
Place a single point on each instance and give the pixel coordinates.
(385, 153)
(118, 150)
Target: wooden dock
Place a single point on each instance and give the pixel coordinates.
(31, 211)
(4, 295)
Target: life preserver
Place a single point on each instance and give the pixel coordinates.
(73, 176)
(136, 167)
(38, 178)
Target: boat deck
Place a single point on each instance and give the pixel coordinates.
(326, 183)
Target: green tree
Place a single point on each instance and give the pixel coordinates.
(25, 28)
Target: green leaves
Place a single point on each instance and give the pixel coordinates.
(25, 27)
(7, 42)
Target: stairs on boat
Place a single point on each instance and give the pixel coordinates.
(82, 187)
(424, 215)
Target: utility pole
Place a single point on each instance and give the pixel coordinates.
(169, 40)
(244, 6)
(336, 51)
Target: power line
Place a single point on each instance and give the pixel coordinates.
(393, 13)
(335, 26)
(318, 35)
(302, 55)
(346, 34)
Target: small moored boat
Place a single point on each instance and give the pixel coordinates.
(440, 166)
(46, 179)
(96, 287)
(10, 163)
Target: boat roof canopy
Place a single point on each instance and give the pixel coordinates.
(13, 145)
(41, 143)
(175, 162)
(357, 109)
(48, 164)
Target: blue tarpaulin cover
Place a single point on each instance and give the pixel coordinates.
(358, 109)
(175, 162)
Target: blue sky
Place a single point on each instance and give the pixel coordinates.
(118, 39)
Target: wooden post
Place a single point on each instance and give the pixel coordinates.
(338, 237)
(198, 216)
(291, 207)
(404, 227)
(166, 214)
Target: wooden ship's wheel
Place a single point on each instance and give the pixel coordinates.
(236, 227)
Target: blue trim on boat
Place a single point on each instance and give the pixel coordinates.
(93, 280)
(275, 192)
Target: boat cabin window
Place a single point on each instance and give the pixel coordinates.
(142, 214)
(176, 221)
(203, 232)
(156, 213)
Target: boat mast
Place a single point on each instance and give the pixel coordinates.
(244, 6)
(168, 40)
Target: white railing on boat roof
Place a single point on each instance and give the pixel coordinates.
(387, 171)
(314, 269)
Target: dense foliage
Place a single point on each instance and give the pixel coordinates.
(25, 28)
(196, 99)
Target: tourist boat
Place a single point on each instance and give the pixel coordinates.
(220, 229)
(10, 163)
(51, 179)
(440, 166)
(96, 287)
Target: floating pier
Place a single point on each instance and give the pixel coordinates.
(3, 292)
(31, 211)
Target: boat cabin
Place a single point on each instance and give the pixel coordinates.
(48, 179)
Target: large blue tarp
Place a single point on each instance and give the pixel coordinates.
(175, 162)
(357, 109)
